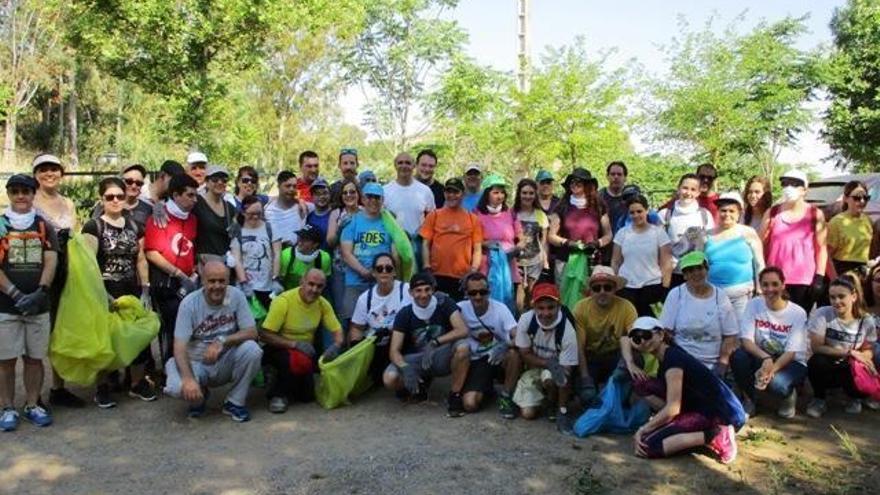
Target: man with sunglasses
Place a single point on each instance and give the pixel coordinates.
(27, 266)
(547, 342)
(428, 340)
(452, 240)
(309, 170)
(601, 320)
(490, 326)
(426, 165)
(135, 208)
(348, 167)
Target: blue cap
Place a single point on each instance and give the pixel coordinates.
(543, 175)
(373, 188)
(319, 182)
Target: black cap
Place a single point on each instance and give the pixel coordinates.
(422, 278)
(309, 233)
(134, 166)
(580, 174)
(22, 180)
(454, 183)
(630, 191)
(172, 168)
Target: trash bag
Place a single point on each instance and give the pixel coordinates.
(613, 415)
(402, 244)
(346, 376)
(258, 311)
(80, 345)
(574, 277)
(500, 278)
(132, 328)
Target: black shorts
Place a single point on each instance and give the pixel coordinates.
(481, 377)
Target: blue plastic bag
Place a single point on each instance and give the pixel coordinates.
(500, 278)
(612, 415)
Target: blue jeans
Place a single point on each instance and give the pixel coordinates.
(744, 366)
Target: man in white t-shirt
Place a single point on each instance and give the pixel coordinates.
(409, 200)
(490, 328)
(547, 342)
(286, 213)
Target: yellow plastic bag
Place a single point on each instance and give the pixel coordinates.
(346, 376)
(132, 328)
(80, 344)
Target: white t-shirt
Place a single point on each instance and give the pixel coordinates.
(286, 223)
(776, 331)
(380, 315)
(641, 255)
(257, 256)
(840, 335)
(544, 343)
(489, 329)
(409, 203)
(682, 219)
(700, 324)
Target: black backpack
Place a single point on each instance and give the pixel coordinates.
(558, 332)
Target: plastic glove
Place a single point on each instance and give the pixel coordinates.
(331, 353)
(820, 286)
(146, 300)
(247, 289)
(306, 348)
(277, 288)
(557, 372)
(31, 304)
(497, 354)
(428, 355)
(188, 284)
(586, 390)
(411, 378)
(160, 215)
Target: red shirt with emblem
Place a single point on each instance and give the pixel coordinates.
(303, 190)
(175, 242)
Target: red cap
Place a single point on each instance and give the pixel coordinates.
(545, 290)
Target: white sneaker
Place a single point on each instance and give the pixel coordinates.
(788, 407)
(278, 405)
(854, 406)
(872, 404)
(816, 408)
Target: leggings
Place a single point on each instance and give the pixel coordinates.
(686, 422)
(643, 297)
(827, 372)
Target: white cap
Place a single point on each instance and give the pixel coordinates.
(796, 174)
(646, 323)
(196, 157)
(473, 166)
(45, 158)
(731, 196)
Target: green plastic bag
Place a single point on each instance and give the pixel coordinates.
(346, 376)
(132, 328)
(401, 243)
(80, 346)
(574, 278)
(257, 309)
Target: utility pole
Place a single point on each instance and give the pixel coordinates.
(523, 74)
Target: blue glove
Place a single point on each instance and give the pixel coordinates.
(586, 390)
(497, 353)
(160, 216)
(247, 289)
(31, 304)
(557, 372)
(277, 288)
(331, 353)
(411, 378)
(146, 300)
(428, 355)
(188, 285)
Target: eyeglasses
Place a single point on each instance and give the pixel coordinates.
(638, 336)
(860, 198)
(248, 180)
(133, 182)
(788, 182)
(112, 197)
(478, 292)
(348, 151)
(384, 268)
(602, 288)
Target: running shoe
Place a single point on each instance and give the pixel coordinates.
(454, 405)
(37, 415)
(65, 398)
(239, 414)
(103, 398)
(724, 445)
(9, 419)
(143, 390)
(506, 407)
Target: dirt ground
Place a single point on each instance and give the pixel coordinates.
(378, 445)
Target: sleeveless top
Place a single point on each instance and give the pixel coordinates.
(730, 261)
(793, 248)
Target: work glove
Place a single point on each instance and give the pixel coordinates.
(31, 304)
(586, 390)
(497, 353)
(411, 378)
(160, 216)
(277, 288)
(247, 288)
(188, 285)
(557, 372)
(146, 300)
(428, 355)
(331, 353)
(306, 348)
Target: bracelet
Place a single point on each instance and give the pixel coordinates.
(766, 358)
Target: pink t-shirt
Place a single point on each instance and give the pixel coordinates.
(793, 247)
(502, 228)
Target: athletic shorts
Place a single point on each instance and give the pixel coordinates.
(481, 376)
(24, 336)
(441, 361)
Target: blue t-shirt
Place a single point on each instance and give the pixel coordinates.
(470, 200)
(320, 222)
(702, 392)
(369, 238)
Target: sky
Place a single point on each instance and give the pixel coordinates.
(636, 28)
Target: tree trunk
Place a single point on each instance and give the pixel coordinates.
(61, 113)
(73, 124)
(9, 143)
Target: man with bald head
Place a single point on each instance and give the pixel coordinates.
(214, 344)
(409, 200)
(289, 331)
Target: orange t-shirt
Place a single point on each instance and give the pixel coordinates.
(453, 234)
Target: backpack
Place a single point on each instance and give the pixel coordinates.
(370, 296)
(704, 216)
(24, 236)
(558, 332)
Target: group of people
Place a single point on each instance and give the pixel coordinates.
(535, 300)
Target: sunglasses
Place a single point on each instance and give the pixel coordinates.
(478, 292)
(860, 198)
(348, 151)
(111, 197)
(384, 268)
(133, 182)
(602, 288)
(219, 178)
(248, 180)
(639, 336)
(786, 182)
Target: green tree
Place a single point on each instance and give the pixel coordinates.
(853, 81)
(735, 99)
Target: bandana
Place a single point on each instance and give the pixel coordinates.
(425, 313)
(175, 211)
(20, 221)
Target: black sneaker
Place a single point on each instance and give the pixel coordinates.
(143, 390)
(506, 407)
(64, 398)
(454, 405)
(115, 381)
(102, 397)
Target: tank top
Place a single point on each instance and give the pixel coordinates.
(793, 248)
(730, 261)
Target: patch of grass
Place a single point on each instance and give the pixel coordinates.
(759, 436)
(588, 482)
(846, 443)
(779, 477)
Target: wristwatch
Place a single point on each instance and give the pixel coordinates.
(435, 342)
(221, 339)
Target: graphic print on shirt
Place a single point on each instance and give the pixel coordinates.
(485, 339)
(254, 253)
(371, 239)
(211, 326)
(180, 245)
(531, 231)
(425, 333)
(694, 326)
(120, 247)
(25, 250)
(778, 335)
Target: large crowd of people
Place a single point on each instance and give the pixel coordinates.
(527, 294)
